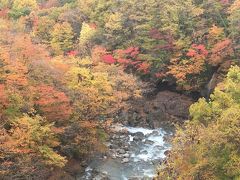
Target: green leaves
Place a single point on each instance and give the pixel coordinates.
(208, 145)
(62, 38)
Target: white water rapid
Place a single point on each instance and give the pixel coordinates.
(134, 154)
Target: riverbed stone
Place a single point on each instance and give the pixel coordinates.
(138, 134)
(126, 155)
(125, 160)
(149, 142)
(121, 151)
(113, 146)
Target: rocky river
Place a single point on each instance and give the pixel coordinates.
(134, 154)
(139, 143)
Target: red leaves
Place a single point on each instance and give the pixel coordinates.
(72, 53)
(54, 104)
(109, 59)
(143, 67)
(123, 61)
(92, 25)
(201, 49)
(191, 53)
(4, 13)
(220, 51)
(127, 58)
(185, 69)
(124, 57)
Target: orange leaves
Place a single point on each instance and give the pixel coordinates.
(191, 53)
(220, 52)
(216, 31)
(3, 100)
(24, 49)
(54, 104)
(143, 67)
(183, 69)
(97, 53)
(16, 77)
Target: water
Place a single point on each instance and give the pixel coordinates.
(144, 153)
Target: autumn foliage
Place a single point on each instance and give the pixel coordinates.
(69, 66)
(53, 104)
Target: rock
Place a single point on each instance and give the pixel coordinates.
(144, 152)
(154, 133)
(167, 152)
(121, 151)
(125, 160)
(126, 148)
(149, 142)
(113, 146)
(126, 155)
(138, 134)
(104, 172)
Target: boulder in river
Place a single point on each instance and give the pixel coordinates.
(126, 155)
(148, 142)
(125, 160)
(121, 151)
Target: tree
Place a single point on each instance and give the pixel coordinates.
(23, 7)
(28, 146)
(234, 16)
(62, 38)
(92, 89)
(3, 101)
(187, 69)
(52, 104)
(17, 4)
(86, 36)
(207, 147)
(43, 29)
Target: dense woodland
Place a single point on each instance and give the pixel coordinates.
(68, 67)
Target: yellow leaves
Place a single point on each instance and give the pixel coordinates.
(29, 135)
(20, 4)
(197, 11)
(208, 145)
(114, 22)
(201, 111)
(235, 6)
(86, 34)
(216, 32)
(52, 158)
(62, 37)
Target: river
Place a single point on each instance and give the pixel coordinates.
(134, 153)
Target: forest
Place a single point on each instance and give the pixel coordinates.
(70, 70)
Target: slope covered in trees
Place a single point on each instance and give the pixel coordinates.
(69, 67)
(207, 147)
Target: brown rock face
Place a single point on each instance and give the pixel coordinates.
(169, 107)
(165, 108)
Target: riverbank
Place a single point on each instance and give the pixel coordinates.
(134, 154)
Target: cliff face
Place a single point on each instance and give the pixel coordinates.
(164, 108)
